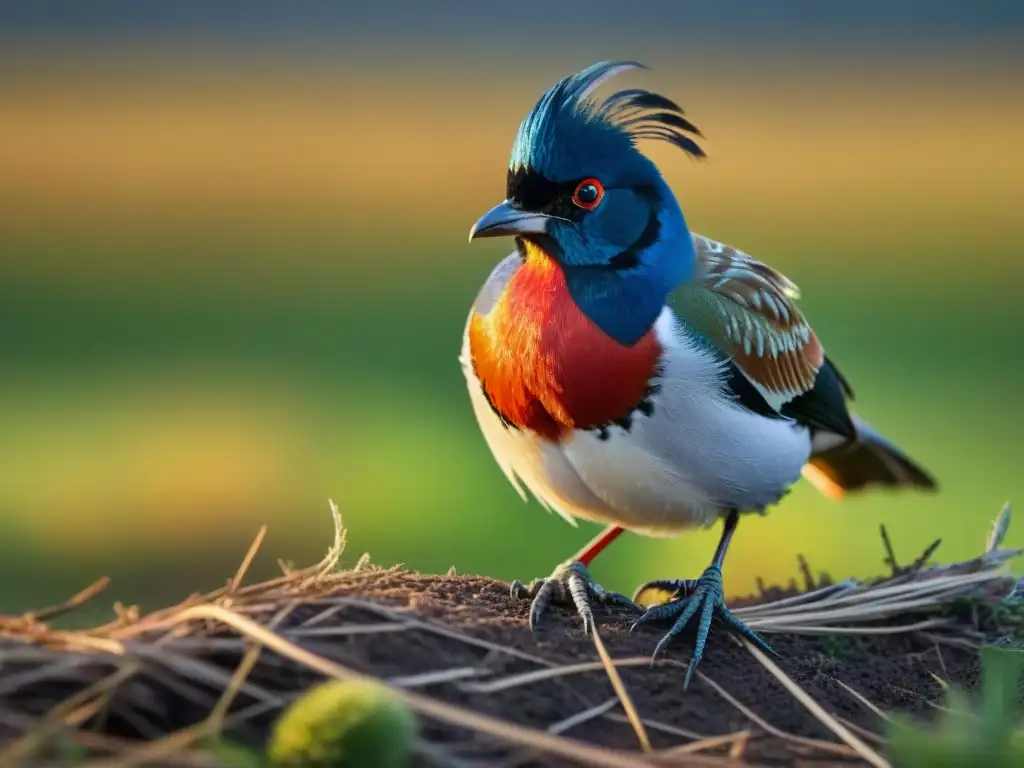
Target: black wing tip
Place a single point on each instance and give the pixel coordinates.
(843, 382)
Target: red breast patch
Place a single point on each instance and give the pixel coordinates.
(545, 366)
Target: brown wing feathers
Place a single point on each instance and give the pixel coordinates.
(767, 335)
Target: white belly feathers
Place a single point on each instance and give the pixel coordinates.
(694, 457)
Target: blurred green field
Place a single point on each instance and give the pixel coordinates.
(188, 354)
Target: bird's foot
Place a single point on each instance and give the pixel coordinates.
(569, 584)
(703, 598)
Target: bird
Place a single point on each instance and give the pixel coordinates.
(626, 370)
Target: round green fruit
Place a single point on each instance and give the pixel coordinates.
(344, 724)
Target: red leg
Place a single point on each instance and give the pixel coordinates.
(597, 545)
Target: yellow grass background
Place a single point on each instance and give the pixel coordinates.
(799, 148)
(228, 295)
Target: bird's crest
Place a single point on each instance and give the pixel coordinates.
(566, 114)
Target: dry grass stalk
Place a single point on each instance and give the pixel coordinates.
(170, 648)
(620, 691)
(816, 709)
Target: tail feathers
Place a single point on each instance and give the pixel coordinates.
(870, 461)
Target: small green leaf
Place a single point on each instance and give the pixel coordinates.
(986, 735)
(1000, 679)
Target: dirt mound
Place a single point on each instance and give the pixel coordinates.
(489, 691)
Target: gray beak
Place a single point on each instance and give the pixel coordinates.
(507, 219)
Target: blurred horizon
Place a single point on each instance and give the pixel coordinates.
(234, 272)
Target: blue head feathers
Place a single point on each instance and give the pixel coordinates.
(579, 187)
(567, 130)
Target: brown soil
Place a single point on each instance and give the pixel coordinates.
(895, 673)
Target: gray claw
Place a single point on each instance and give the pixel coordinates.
(569, 583)
(520, 591)
(703, 599)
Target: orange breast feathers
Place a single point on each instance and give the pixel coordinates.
(545, 366)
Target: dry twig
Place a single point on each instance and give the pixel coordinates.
(225, 653)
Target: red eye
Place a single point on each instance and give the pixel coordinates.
(588, 194)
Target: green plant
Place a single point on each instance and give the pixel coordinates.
(231, 755)
(987, 734)
(839, 646)
(344, 724)
(832, 646)
(70, 752)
